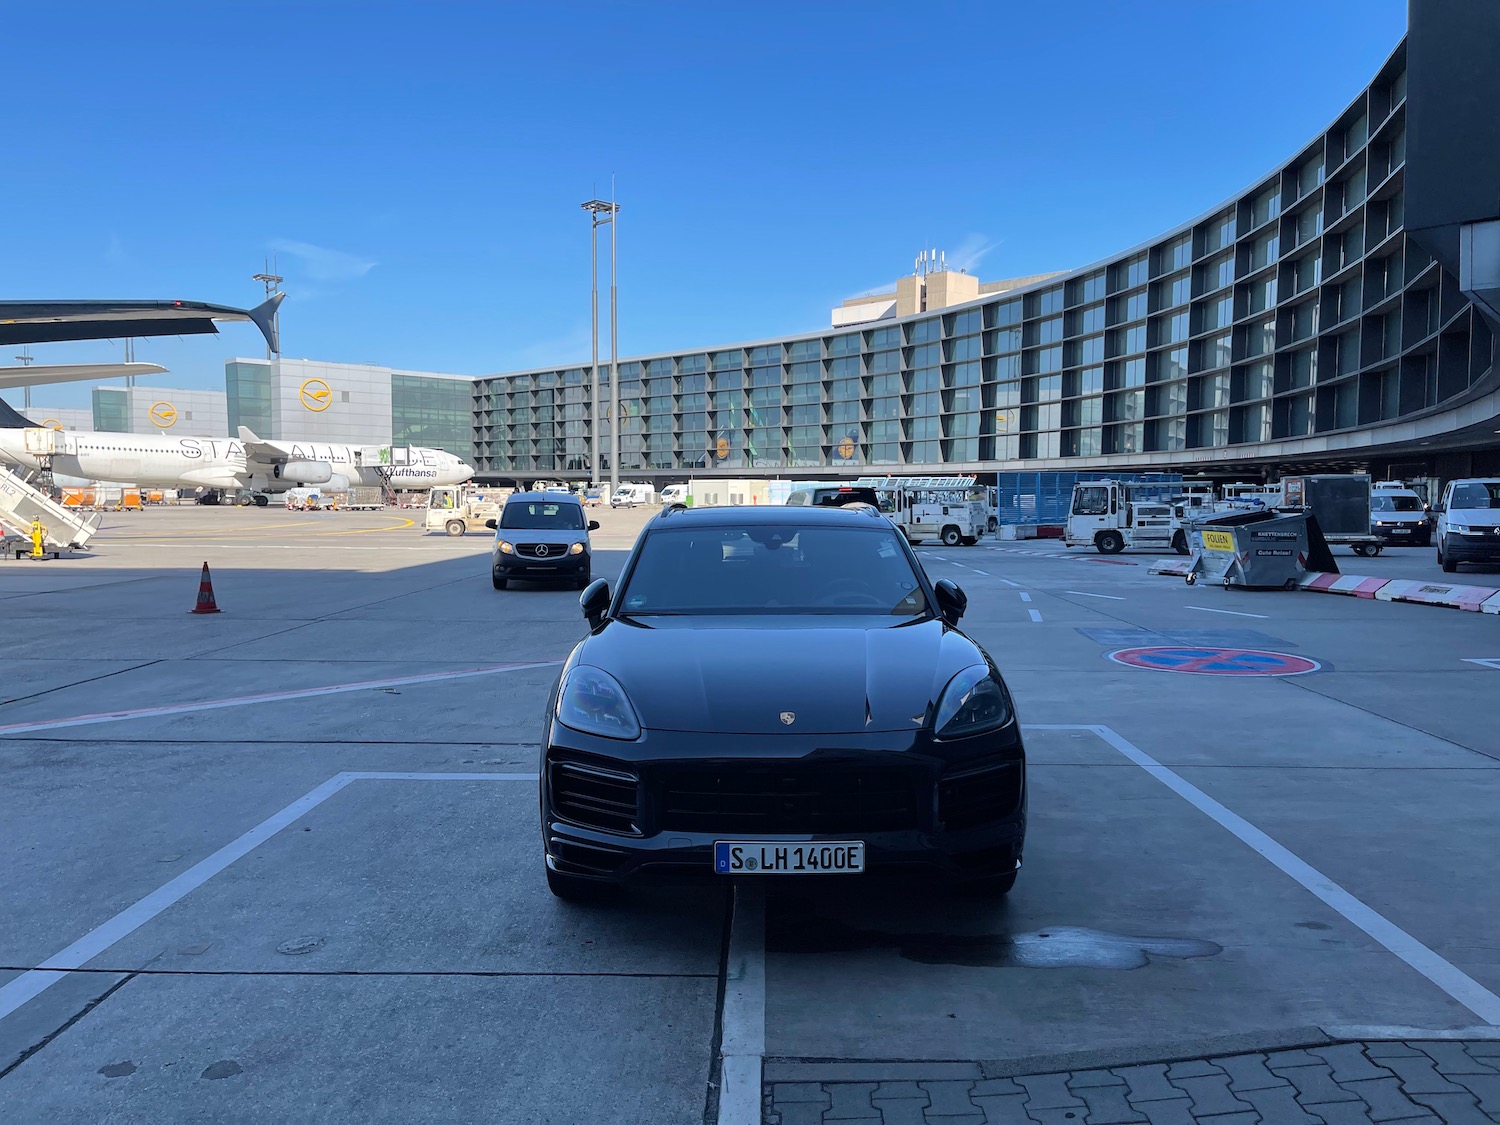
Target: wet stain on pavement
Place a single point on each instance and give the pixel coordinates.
(118, 1070)
(1054, 947)
(224, 1068)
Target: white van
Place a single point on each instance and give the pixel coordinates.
(629, 495)
(674, 494)
(1398, 518)
(1468, 523)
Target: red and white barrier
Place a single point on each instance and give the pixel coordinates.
(1354, 584)
(1470, 598)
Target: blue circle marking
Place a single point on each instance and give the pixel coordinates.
(1214, 661)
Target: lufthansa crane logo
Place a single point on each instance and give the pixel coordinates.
(51, 424)
(163, 415)
(315, 395)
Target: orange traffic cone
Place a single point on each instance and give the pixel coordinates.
(206, 603)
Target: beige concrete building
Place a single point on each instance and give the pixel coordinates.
(930, 287)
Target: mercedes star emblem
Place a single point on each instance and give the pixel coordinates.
(541, 551)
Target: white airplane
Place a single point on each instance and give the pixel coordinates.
(246, 467)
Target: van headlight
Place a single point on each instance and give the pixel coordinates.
(1460, 529)
(576, 549)
(973, 702)
(592, 701)
(504, 547)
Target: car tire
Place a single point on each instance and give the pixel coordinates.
(1448, 565)
(498, 582)
(454, 528)
(951, 537)
(993, 525)
(570, 888)
(1110, 542)
(992, 886)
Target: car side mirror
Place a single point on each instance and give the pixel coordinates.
(951, 600)
(1438, 508)
(593, 525)
(594, 601)
(491, 524)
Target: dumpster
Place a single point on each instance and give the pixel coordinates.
(1257, 550)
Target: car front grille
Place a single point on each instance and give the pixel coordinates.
(542, 550)
(595, 796)
(980, 793)
(787, 797)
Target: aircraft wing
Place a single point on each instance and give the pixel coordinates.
(40, 322)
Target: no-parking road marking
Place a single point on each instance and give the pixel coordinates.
(272, 697)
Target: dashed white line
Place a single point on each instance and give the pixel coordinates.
(1035, 615)
(1086, 594)
(976, 570)
(1008, 582)
(1025, 597)
(1230, 612)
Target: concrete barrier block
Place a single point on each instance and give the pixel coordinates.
(1491, 604)
(1355, 585)
(1178, 567)
(1471, 598)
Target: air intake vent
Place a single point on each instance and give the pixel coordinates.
(595, 797)
(980, 794)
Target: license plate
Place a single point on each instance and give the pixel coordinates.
(741, 857)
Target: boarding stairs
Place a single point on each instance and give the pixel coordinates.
(21, 502)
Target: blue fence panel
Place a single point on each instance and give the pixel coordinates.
(1043, 498)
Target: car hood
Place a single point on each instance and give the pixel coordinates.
(540, 535)
(1475, 517)
(828, 674)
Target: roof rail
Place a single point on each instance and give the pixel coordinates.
(674, 506)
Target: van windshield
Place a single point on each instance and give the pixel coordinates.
(1476, 494)
(1380, 502)
(538, 514)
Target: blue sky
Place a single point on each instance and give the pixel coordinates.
(418, 167)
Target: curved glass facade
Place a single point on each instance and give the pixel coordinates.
(1295, 322)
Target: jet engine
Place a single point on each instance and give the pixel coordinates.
(304, 472)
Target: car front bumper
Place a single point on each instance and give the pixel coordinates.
(1397, 533)
(554, 566)
(1471, 548)
(954, 809)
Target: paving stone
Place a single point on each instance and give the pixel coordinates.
(1196, 1068)
(1279, 1105)
(949, 1099)
(1173, 1112)
(1349, 1063)
(905, 1111)
(1147, 1083)
(851, 1100)
(889, 1090)
(1391, 1051)
(1451, 1058)
(1107, 1105)
(1483, 1048)
(801, 1113)
(1251, 1118)
(1003, 1109)
(1211, 1096)
(1385, 1099)
(1058, 1116)
(798, 1092)
(1048, 1091)
(1249, 1072)
(995, 1086)
(1419, 1075)
(1342, 1113)
(1455, 1109)
(1316, 1084)
(1276, 1060)
(1485, 1087)
(1084, 1079)
(950, 1119)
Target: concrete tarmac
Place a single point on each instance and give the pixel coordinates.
(281, 863)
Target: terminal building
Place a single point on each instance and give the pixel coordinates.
(1340, 313)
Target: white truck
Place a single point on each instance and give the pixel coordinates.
(455, 510)
(1111, 515)
(952, 510)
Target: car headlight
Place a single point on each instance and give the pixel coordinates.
(1460, 529)
(576, 549)
(592, 701)
(505, 548)
(972, 703)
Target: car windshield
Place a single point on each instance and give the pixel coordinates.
(1388, 503)
(539, 514)
(773, 568)
(1477, 495)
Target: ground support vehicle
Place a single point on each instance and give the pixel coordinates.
(455, 510)
(1044, 499)
(1341, 502)
(951, 510)
(1257, 549)
(1111, 515)
(1468, 524)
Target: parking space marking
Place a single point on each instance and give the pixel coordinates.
(1025, 597)
(1035, 614)
(1230, 612)
(1008, 582)
(34, 982)
(1086, 594)
(742, 1040)
(976, 570)
(1484, 662)
(272, 697)
(1441, 972)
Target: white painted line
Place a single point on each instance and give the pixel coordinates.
(1086, 594)
(742, 1028)
(1484, 661)
(1035, 615)
(1025, 597)
(272, 697)
(1447, 976)
(1008, 582)
(976, 570)
(34, 982)
(1230, 612)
